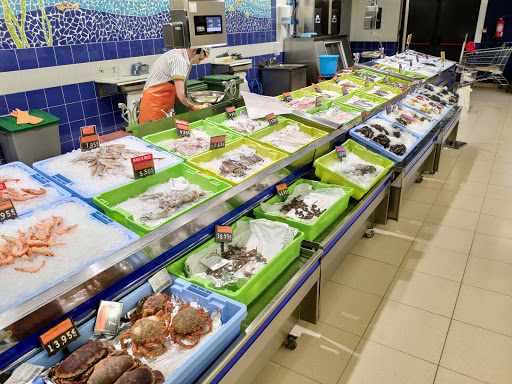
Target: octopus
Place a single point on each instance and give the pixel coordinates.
(170, 203)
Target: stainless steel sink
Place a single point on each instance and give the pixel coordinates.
(287, 67)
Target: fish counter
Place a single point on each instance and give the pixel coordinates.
(191, 307)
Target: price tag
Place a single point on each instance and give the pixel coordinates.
(443, 56)
(271, 119)
(366, 81)
(364, 115)
(421, 81)
(345, 91)
(89, 142)
(410, 63)
(160, 280)
(7, 210)
(282, 191)
(410, 118)
(89, 130)
(426, 57)
(388, 108)
(287, 97)
(318, 101)
(223, 234)
(409, 38)
(417, 59)
(400, 102)
(316, 88)
(335, 78)
(25, 373)
(400, 68)
(217, 142)
(340, 151)
(143, 166)
(182, 128)
(214, 261)
(109, 317)
(403, 92)
(59, 336)
(230, 111)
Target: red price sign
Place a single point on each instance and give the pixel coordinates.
(217, 142)
(7, 210)
(182, 128)
(89, 130)
(2, 186)
(272, 119)
(282, 191)
(287, 97)
(89, 142)
(230, 111)
(223, 234)
(143, 166)
(58, 337)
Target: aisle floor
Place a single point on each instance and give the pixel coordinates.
(429, 298)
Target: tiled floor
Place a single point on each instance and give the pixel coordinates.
(429, 298)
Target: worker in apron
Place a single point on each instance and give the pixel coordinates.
(166, 81)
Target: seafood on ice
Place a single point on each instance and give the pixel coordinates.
(18, 193)
(242, 124)
(381, 92)
(361, 103)
(349, 84)
(439, 94)
(391, 138)
(414, 121)
(305, 204)
(198, 141)
(366, 75)
(301, 103)
(395, 84)
(162, 201)
(355, 169)
(328, 95)
(336, 115)
(425, 105)
(249, 251)
(289, 139)
(238, 163)
(37, 240)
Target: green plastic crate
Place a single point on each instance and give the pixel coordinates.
(334, 177)
(416, 75)
(380, 75)
(360, 93)
(208, 127)
(328, 104)
(219, 119)
(256, 284)
(311, 231)
(325, 86)
(257, 136)
(393, 90)
(353, 79)
(297, 95)
(406, 84)
(261, 150)
(115, 196)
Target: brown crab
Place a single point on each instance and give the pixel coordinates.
(190, 323)
(152, 305)
(110, 369)
(141, 375)
(80, 361)
(147, 333)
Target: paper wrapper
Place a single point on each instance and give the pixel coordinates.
(260, 106)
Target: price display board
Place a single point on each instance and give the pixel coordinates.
(89, 142)
(345, 91)
(59, 337)
(160, 281)
(217, 142)
(282, 191)
(366, 81)
(182, 128)
(230, 111)
(318, 101)
(223, 233)
(7, 210)
(340, 151)
(388, 109)
(287, 97)
(143, 166)
(89, 130)
(364, 115)
(271, 119)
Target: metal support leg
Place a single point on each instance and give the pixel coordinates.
(380, 216)
(451, 140)
(395, 195)
(310, 306)
(429, 164)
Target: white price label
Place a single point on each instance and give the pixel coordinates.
(24, 374)
(214, 261)
(160, 281)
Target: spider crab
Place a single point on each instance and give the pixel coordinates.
(190, 324)
(155, 304)
(147, 333)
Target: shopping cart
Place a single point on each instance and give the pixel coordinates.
(488, 64)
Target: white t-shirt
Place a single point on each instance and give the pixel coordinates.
(172, 65)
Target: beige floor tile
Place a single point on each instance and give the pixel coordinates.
(466, 187)
(465, 173)
(495, 226)
(503, 167)
(478, 353)
(459, 201)
(419, 193)
(410, 330)
(446, 376)
(435, 261)
(347, 308)
(499, 192)
(452, 217)
(274, 373)
(414, 209)
(485, 309)
(423, 291)
(488, 274)
(431, 183)
(453, 239)
(373, 363)
(497, 208)
(474, 164)
(365, 274)
(492, 248)
(408, 228)
(323, 352)
(500, 178)
(388, 249)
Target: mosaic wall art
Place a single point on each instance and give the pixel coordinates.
(38, 23)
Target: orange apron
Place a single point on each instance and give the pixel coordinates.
(156, 99)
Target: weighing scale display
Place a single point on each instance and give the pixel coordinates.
(206, 25)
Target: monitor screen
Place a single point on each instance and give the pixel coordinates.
(213, 24)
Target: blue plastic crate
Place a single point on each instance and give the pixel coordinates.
(45, 183)
(232, 314)
(384, 116)
(446, 109)
(379, 148)
(96, 215)
(67, 184)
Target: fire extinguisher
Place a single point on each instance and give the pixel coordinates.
(500, 25)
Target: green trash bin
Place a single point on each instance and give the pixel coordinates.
(192, 85)
(214, 83)
(30, 143)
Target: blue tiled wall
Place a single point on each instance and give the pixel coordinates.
(390, 47)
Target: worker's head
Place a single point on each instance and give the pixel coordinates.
(203, 53)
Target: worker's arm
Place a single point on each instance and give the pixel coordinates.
(180, 94)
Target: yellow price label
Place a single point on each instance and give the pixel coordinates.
(409, 38)
(443, 56)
